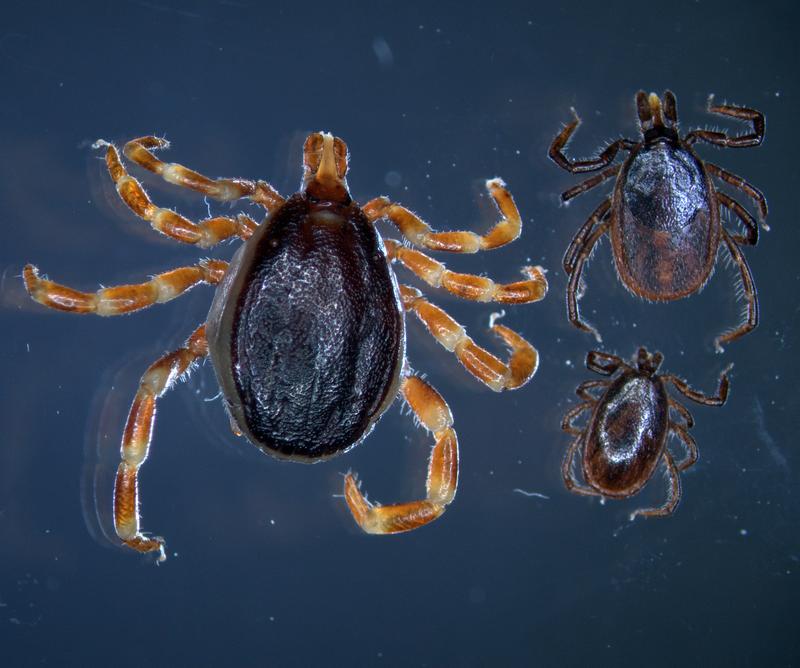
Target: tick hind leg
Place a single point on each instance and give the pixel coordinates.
(748, 291)
(122, 298)
(491, 371)
(468, 286)
(419, 233)
(204, 234)
(673, 493)
(582, 254)
(432, 411)
(571, 481)
(137, 435)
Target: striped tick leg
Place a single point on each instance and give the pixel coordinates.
(122, 298)
(420, 233)
(469, 286)
(204, 234)
(491, 371)
(432, 411)
(137, 435)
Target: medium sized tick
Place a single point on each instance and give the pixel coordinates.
(664, 213)
(625, 438)
(306, 331)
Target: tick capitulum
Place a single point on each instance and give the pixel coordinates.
(664, 213)
(625, 438)
(306, 331)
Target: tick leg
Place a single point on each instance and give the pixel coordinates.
(122, 298)
(420, 233)
(432, 411)
(749, 291)
(590, 183)
(468, 286)
(557, 155)
(571, 482)
(582, 255)
(572, 415)
(605, 364)
(137, 435)
(681, 410)
(673, 495)
(574, 247)
(754, 138)
(691, 447)
(584, 389)
(204, 234)
(751, 239)
(689, 392)
(751, 191)
(225, 190)
(479, 362)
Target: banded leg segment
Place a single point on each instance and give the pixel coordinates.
(673, 493)
(204, 234)
(432, 411)
(122, 298)
(469, 286)
(582, 254)
(137, 435)
(494, 373)
(598, 215)
(689, 392)
(689, 444)
(591, 182)
(571, 481)
(225, 190)
(745, 186)
(751, 238)
(420, 233)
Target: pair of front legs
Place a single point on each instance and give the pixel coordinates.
(427, 404)
(607, 365)
(599, 223)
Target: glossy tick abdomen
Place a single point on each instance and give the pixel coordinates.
(626, 436)
(306, 332)
(665, 231)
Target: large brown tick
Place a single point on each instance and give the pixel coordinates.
(306, 331)
(664, 213)
(626, 436)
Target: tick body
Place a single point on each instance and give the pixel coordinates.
(306, 330)
(663, 216)
(625, 438)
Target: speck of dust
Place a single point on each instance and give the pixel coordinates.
(742, 532)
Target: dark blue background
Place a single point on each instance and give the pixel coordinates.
(266, 566)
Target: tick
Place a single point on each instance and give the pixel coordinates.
(306, 331)
(664, 213)
(625, 439)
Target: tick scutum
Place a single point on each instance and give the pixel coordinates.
(626, 436)
(307, 333)
(666, 223)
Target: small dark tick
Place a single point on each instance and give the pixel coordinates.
(664, 213)
(625, 439)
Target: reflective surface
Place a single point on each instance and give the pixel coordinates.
(266, 565)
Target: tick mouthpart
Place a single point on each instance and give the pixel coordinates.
(325, 163)
(658, 120)
(648, 362)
